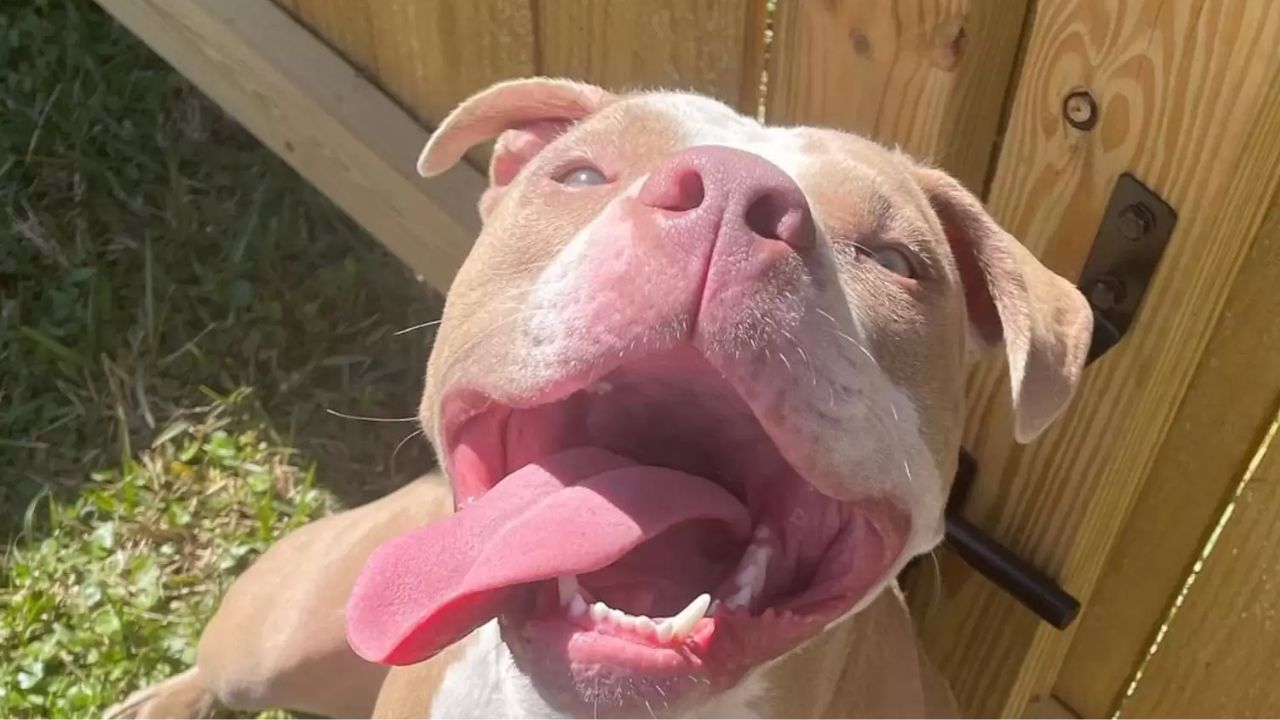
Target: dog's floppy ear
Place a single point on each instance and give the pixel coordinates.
(1043, 322)
(524, 116)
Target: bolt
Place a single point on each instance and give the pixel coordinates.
(1107, 293)
(1080, 109)
(1136, 221)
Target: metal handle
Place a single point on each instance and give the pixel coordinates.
(1035, 590)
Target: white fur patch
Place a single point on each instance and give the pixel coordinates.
(485, 683)
(709, 122)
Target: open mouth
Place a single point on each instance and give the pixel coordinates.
(641, 540)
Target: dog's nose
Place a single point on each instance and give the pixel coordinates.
(733, 193)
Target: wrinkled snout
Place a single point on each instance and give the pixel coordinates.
(731, 195)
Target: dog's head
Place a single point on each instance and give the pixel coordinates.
(698, 388)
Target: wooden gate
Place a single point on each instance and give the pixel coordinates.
(1118, 501)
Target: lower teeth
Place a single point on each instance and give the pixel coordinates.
(749, 579)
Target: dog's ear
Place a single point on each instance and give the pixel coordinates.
(1043, 322)
(524, 116)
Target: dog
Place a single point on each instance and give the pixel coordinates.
(698, 393)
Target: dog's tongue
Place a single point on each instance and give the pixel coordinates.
(570, 513)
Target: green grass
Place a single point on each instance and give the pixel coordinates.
(114, 595)
(178, 313)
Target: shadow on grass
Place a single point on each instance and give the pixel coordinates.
(150, 249)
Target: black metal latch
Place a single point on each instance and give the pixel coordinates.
(1131, 240)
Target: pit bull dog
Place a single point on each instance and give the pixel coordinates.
(698, 394)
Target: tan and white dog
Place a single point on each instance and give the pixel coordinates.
(698, 393)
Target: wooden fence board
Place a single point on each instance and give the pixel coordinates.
(1220, 655)
(1189, 96)
(428, 54)
(1229, 404)
(930, 76)
(342, 23)
(433, 54)
(704, 45)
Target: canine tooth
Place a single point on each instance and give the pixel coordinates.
(683, 623)
(599, 611)
(567, 585)
(577, 606)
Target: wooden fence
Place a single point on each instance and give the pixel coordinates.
(1119, 500)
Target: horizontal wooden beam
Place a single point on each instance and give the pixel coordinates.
(309, 105)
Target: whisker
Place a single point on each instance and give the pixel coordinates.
(365, 418)
(893, 410)
(813, 374)
(419, 326)
(860, 347)
(400, 445)
(935, 596)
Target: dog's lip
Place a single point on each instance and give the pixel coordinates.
(559, 653)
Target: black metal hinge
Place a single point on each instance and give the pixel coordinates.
(1126, 252)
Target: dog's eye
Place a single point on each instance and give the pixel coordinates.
(893, 259)
(583, 176)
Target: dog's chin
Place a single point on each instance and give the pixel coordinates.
(684, 615)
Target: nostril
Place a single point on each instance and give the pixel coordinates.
(776, 217)
(680, 191)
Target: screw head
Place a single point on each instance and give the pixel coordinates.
(1080, 110)
(1106, 293)
(1135, 221)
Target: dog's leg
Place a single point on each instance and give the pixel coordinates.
(278, 638)
(184, 695)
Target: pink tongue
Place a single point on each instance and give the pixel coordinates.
(570, 513)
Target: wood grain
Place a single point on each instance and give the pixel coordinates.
(308, 104)
(1221, 653)
(1189, 94)
(343, 24)
(929, 76)
(1229, 404)
(703, 45)
(432, 54)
